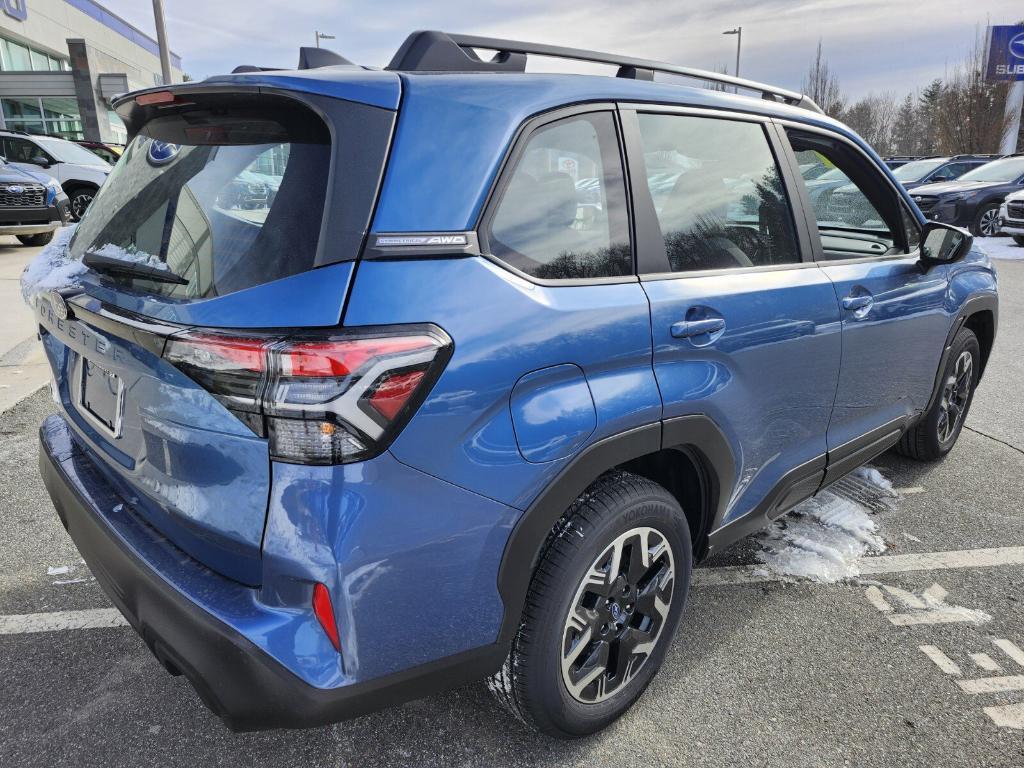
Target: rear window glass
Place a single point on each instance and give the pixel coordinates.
(226, 200)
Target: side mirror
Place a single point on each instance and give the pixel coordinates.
(40, 160)
(944, 244)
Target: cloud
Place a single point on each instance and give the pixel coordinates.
(871, 44)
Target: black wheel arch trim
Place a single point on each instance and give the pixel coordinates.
(983, 302)
(698, 435)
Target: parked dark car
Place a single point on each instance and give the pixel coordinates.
(936, 169)
(32, 207)
(506, 354)
(973, 200)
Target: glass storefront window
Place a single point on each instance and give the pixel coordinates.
(16, 57)
(56, 116)
(21, 107)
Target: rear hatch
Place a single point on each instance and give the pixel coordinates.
(228, 212)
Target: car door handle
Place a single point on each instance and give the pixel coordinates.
(687, 328)
(853, 303)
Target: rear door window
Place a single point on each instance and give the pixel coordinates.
(718, 193)
(227, 199)
(562, 212)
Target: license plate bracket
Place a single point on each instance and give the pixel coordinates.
(101, 397)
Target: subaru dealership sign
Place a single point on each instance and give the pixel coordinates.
(1005, 53)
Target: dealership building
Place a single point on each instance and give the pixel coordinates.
(61, 62)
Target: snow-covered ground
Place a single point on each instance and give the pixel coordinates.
(1000, 247)
(824, 538)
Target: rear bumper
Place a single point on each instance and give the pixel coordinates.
(234, 677)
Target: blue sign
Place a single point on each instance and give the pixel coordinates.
(161, 152)
(15, 9)
(1005, 53)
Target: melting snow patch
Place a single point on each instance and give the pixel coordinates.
(58, 570)
(873, 476)
(822, 539)
(52, 269)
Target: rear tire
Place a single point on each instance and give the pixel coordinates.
(36, 240)
(937, 431)
(986, 222)
(591, 609)
(1019, 240)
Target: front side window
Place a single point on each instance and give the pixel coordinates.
(856, 209)
(562, 213)
(718, 193)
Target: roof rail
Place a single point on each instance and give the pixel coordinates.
(428, 51)
(910, 157)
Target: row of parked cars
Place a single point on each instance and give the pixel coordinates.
(46, 181)
(983, 193)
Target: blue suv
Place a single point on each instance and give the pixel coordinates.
(500, 357)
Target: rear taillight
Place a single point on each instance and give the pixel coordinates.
(325, 400)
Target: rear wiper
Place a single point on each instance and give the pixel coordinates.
(114, 266)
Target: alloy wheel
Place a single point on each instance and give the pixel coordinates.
(617, 615)
(79, 204)
(955, 394)
(989, 222)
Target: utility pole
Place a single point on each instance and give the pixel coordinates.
(161, 39)
(739, 43)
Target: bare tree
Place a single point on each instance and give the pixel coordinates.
(822, 85)
(969, 114)
(875, 118)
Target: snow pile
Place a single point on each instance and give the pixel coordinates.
(824, 538)
(52, 269)
(132, 254)
(55, 269)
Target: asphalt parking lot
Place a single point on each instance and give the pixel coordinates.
(762, 673)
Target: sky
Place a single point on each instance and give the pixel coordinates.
(872, 45)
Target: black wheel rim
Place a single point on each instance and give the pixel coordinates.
(617, 615)
(79, 203)
(955, 394)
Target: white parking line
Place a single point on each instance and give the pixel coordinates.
(103, 618)
(873, 566)
(96, 618)
(992, 684)
(942, 661)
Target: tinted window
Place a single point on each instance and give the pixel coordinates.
(859, 215)
(229, 202)
(718, 193)
(562, 212)
(22, 150)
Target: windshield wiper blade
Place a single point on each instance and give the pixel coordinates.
(114, 266)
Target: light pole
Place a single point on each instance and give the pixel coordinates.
(321, 36)
(161, 37)
(739, 42)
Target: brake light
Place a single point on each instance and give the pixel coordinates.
(154, 97)
(324, 612)
(328, 400)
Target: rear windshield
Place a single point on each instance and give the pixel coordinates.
(226, 199)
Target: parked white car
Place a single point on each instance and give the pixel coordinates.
(1011, 217)
(78, 171)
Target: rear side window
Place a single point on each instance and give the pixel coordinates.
(227, 198)
(718, 193)
(562, 212)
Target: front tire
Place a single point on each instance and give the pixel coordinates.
(1019, 240)
(36, 240)
(80, 199)
(603, 606)
(986, 222)
(937, 431)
